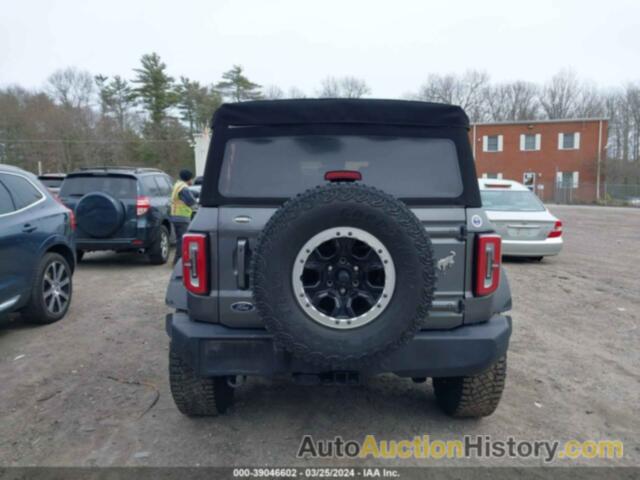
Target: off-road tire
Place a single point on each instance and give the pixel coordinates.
(36, 311)
(343, 205)
(472, 396)
(195, 396)
(156, 254)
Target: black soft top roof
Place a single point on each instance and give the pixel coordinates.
(339, 117)
(340, 111)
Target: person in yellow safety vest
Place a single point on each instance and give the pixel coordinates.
(182, 201)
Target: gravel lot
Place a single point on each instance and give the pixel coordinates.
(93, 389)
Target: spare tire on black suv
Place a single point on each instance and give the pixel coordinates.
(361, 266)
(99, 214)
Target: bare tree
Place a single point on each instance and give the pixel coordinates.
(272, 92)
(590, 102)
(511, 101)
(465, 90)
(622, 108)
(353, 87)
(295, 92)
(343, 87)
(560, 95)
(71, 88)
(329, 88)
(633, 100)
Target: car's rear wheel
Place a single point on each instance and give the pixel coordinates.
(472, 396)
(51, 290)
(159, 250)
(195, 396)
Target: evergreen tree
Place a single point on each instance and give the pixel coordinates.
(155, 89)
(197, 103)
(116, 98)
(238, 87)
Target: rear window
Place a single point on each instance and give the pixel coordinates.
(51, 182)
(282, 166)
(115, 185)
(511, 200)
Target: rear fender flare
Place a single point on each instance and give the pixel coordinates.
(176, 296)
(502, 297)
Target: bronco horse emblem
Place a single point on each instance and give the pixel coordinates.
(447, 262)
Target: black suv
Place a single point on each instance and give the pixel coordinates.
(121, 209)
(338, 239)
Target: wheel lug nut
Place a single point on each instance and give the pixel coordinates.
(356, 268)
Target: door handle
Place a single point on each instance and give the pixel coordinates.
(28, 228)
(241, 263)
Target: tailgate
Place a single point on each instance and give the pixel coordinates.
(239, 227)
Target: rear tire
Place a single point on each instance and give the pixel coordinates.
(195, 396)
(159, 250)
(472, 396)
(43, 306)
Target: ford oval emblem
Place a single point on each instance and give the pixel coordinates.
(242, 307)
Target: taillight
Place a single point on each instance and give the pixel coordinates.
(488, 258)
(143, 204)
(557, 230)
(343, 176)
(72, 220)
(194, 263)
(72, 215)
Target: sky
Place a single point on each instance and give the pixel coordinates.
(393, 45)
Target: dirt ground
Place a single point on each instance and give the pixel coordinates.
(93, 388)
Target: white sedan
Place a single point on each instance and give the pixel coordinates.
(526, 226)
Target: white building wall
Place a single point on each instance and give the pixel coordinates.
(200, 149)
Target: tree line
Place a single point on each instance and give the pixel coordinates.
(80, 119)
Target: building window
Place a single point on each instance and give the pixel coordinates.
(567, 179)
(493, 176)
(569, 141)
(492, 143)
(530, 142)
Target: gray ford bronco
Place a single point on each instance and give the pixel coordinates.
(339, 239)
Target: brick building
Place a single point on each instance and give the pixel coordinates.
(558, 159)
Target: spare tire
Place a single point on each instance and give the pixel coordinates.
(100, 215)
(342, 275)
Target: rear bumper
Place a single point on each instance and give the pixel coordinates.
(213, 350)
(532, 248)
(143, 239)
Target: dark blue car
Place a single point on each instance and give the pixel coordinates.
(37, 251)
